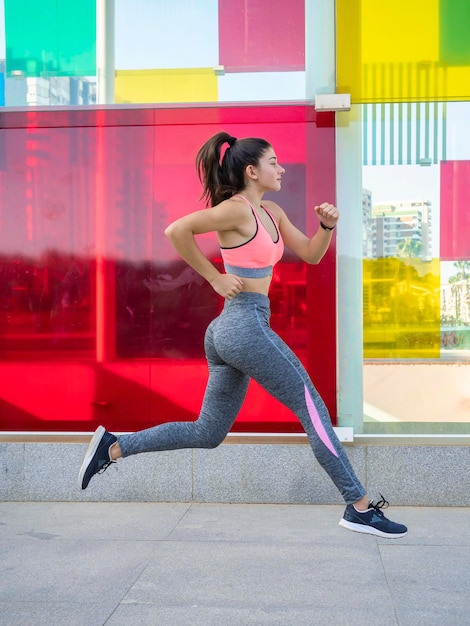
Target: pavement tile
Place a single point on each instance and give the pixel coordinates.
(417, 575)
(433, 616)
(47, 613)
(444, 526)
(196, 615)
(266, 576)
(183, 564)
(263, 523)
(51, 570)
(111, 521)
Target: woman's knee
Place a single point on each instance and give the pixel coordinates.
(211, 441)
(206, 438)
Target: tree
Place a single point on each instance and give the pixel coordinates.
(463, 273)
(409, 248)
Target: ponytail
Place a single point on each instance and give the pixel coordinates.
(223, 176)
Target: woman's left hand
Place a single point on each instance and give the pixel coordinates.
(328, 214)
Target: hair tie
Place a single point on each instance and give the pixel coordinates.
(231, 141)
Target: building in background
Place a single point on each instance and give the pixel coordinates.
(367, 232)
(20, 91)
(397, 229)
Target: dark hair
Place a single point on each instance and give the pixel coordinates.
(222, 179)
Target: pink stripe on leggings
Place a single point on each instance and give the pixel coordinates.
(317, 423)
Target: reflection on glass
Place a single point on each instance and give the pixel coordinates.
(45, 304)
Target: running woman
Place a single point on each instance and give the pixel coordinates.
(239, 343)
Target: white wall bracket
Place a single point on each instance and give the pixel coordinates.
(333, 102)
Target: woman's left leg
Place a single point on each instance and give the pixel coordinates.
(246, 341)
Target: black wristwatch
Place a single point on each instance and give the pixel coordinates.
(326, 227)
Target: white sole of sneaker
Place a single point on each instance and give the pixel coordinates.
(368, 530)
(92, 447)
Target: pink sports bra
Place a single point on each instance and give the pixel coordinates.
(256, 257)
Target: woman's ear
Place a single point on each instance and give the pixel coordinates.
(251, 172)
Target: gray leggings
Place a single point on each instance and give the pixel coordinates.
(241, 345)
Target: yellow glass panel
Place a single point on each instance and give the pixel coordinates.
(399, 51)
(457, 81)
(401, 306)
(400, 31)
(348, 48)
(166, 85)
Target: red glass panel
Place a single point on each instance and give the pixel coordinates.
(455, 214)
(100, 321)
(262, 35)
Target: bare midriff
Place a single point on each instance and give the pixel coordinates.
(257, 285)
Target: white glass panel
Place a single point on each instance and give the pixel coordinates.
(262, 86)
(166, 34)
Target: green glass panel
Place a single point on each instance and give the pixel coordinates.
(401, 308)
(50, 37)
(454, 32)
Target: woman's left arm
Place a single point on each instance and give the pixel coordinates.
(310, 250)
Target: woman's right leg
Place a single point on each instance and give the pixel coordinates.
(225, 392)
(223, 398)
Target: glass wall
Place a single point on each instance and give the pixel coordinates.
(414, 113)
(87, 277)
(99, 319)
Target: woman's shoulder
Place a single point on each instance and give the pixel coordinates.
(273, 208)
(234, 203)
(232, 212)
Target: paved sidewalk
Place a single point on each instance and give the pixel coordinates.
(138, 564)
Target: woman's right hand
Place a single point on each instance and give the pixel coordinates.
(227, 285)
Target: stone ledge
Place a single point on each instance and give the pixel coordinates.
(344, 434)
(284, 473)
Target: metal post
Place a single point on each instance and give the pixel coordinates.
(349, 241)
(320, 69)
(105, 51)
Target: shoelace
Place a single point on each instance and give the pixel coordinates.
(105, 466)
(379, 505)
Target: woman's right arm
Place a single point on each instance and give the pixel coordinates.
(182, 233)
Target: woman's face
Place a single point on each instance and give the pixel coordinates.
(268, 171)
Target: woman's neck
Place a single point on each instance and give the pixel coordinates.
(253, 197)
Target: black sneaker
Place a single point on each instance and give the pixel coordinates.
(372, 521)
(97, 458)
